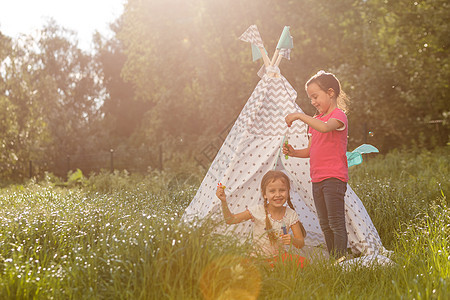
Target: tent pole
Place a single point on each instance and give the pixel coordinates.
(265, 57)
(277, 63)
(277, 51)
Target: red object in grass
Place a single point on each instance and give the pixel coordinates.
(300, 261)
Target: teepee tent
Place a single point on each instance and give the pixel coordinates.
(253, 147)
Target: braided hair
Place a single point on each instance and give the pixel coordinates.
(269, 177)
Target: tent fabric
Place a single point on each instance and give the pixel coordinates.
(286, 53)
(253, 147)
(252, 36)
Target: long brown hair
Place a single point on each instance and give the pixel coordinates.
(328, 81)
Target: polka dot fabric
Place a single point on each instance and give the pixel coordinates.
(252, 148)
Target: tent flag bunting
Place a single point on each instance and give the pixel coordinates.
(251, 35)
(256, 53)
(252, 148)
(285, 43)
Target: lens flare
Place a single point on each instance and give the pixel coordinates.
(230, 277)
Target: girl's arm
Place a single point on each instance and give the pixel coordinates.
(231, 218)
(302, 153)
(321, 126)
(297, 240)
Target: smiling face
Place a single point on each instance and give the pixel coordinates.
(323, 101)
(276, 193)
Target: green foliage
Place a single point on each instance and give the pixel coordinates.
(396, 87)
(122, 112)
(106, 182)
(75, 178)
(154, 182)
(66, 243)
(426, 244)
(23, 130)
(68, 91)
(120, 236)
(395, 188)
(176, 78)
(49, 91)
(386, 54)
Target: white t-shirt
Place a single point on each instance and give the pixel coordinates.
(260, 236)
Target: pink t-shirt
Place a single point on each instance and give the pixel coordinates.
(328, 150)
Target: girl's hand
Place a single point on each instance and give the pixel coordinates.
(290, 118)
(286, 239)
(220, 193)
(288, 149)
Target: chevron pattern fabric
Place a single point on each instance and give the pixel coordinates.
(251, 35)
(269, 94)
(286, 53)
(252, 148)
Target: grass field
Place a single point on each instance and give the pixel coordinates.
(117, 236)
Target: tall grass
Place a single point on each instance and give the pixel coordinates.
(395, 188)
(118, 236)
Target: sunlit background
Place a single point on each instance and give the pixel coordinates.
(83, 16)
(155, 84)
(105, 138)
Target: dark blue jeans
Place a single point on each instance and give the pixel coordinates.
(329, 200)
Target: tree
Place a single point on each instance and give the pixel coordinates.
(69, 90)
(122, 112)
(404, 64)
(23, 131)
(52, 91)
(189, 65)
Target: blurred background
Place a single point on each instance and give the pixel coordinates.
(163, 88)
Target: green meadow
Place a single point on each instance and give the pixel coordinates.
(120, 236)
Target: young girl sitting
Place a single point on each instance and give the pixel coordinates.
(269, 218)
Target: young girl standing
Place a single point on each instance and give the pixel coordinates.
(327, 152)
(269, 218)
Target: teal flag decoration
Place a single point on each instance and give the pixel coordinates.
(285, 41)
(256, 54)
(355, 157)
